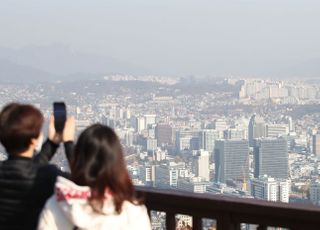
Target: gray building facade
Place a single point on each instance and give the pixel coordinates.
(271, 158)
(231, 160)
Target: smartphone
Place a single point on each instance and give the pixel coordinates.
(60, 116)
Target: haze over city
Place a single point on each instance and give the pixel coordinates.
(202, 38)
(217, 98)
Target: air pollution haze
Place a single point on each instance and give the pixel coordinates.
(259, 38)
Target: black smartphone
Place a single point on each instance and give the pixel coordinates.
(60, 116)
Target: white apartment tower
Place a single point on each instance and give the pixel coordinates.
(201, 164)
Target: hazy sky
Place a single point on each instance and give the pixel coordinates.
(173, 36)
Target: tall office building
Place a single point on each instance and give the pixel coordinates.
(271, 158)
(201, 165)
(268, 188)
(315, 192)
(163, 134)
(256, 129)
(231, 159)
(183, 138)
(316, 145)
(207, 139)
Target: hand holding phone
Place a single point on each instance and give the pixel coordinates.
(52, 134)
(60, 116)
(69, 130)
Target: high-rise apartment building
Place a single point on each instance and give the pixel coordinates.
(147, 174)
(271, 157)
(231, 160)
(201, 165)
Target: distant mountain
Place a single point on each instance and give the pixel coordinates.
(62, 60)
(11, 72)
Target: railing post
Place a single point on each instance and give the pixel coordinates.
(262, 227)
(170, 221)
(196, 223)
(226, 223)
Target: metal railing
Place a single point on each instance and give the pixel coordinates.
(229, 212)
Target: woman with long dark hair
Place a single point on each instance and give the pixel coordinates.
(100, 194)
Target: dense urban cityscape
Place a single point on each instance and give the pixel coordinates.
(216, 106)
(248, 138)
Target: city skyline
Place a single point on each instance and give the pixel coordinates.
(196, 139)
(218, 98)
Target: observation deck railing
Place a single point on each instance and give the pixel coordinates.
(229, 212)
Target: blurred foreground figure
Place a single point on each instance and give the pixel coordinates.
(100, 194)
(26, 179)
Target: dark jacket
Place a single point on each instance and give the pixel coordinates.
(25, 185)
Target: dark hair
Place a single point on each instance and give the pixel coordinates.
(19, 124)
(98, 163)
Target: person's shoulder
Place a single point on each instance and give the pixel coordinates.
(51, 170)
(51, 203)
(52, 216)
(136, 215)
(2, 168)
(133, 208)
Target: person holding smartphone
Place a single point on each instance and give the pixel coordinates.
(27, 180)
(100, 193)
